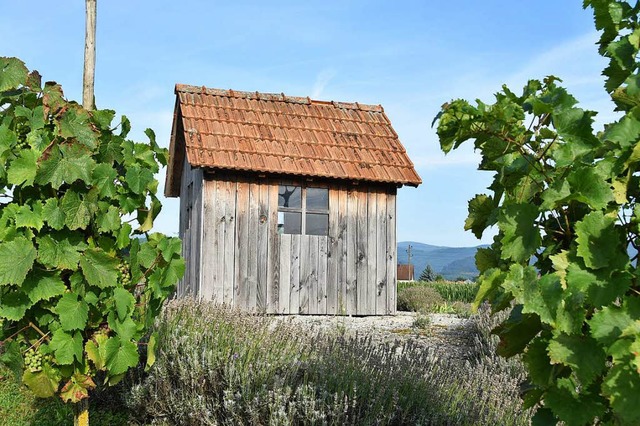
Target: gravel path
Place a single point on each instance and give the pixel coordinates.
(446, 335)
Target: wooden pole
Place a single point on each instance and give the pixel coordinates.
(88, 99)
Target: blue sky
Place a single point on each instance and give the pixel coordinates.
(409, 56)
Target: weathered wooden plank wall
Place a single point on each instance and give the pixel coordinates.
(235, 255)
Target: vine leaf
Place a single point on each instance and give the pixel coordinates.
(53, 214)
(24, 168)
(61, 250)
(99, 268)
(124, 301)
(14, 304)
(121, 355)
(66, 164)
(13, 73)
(43, 383)
(43, 286)
(582, 353)
(599, 241)
(76, 211)
(16, 260)
(521, 237)
(77, 388)
(73, 312)
(621, 387)
(481, 214)
(66, 346)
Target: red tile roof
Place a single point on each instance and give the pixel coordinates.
(274, 133)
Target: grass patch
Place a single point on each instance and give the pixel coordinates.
(19, 407)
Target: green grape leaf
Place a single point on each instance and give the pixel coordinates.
(487, 258)
(67, 164)
(104, 176)
(61, 250)
(43, 383)
(125, 329)
(73, 312)
(121, 355)
(28, 218)
(13, 73)
(571, 407)
(123, 238)
(103, 117)
(124, 301)
(109, 221)
(621, 388)
(590, 188)
(608, 323)
(169, 246)
(481, 214)
(76, 211)
(582, 353)
(556, 194)
(96, 350)
(521, 236)
(99, 268)
(66, 346)
(23, 169)
(516, 332)
(76, 124)
(53, 214)
(538, 362)
(138, 178)
(600, 242)
(41, 285)
(16, 260)
(151, 351)
(13, 305)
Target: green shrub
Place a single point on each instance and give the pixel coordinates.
(449, 290)
(219, 366)
(419, 299)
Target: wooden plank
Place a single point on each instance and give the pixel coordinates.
(381, 238)
(228, 196)
(332, 254)
(285, 274)
(273, 254)
(216, 216)
(342, 252)
(241, 289)
(372, 246)
(323, 242)
(352, 251)
(252, 259)
(361, 256)
(305, 272)
(294, 281)
(262, 225)
(209, 268)
(392, 282)
(312, 277)
(196, 235)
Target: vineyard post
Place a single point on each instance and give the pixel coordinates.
(88, 100)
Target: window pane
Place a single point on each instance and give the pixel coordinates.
(317, 199)
(289, 196)
(317, 224)
(292, 223)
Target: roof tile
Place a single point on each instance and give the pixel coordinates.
(274, 133)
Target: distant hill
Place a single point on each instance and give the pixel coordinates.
(450, 262)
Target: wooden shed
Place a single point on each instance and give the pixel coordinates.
(287, 204)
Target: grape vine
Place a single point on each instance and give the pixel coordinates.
(81, 277)
(565, 203)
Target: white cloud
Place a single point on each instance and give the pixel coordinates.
(322, 80)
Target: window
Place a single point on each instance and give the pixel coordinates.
(303, 210)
